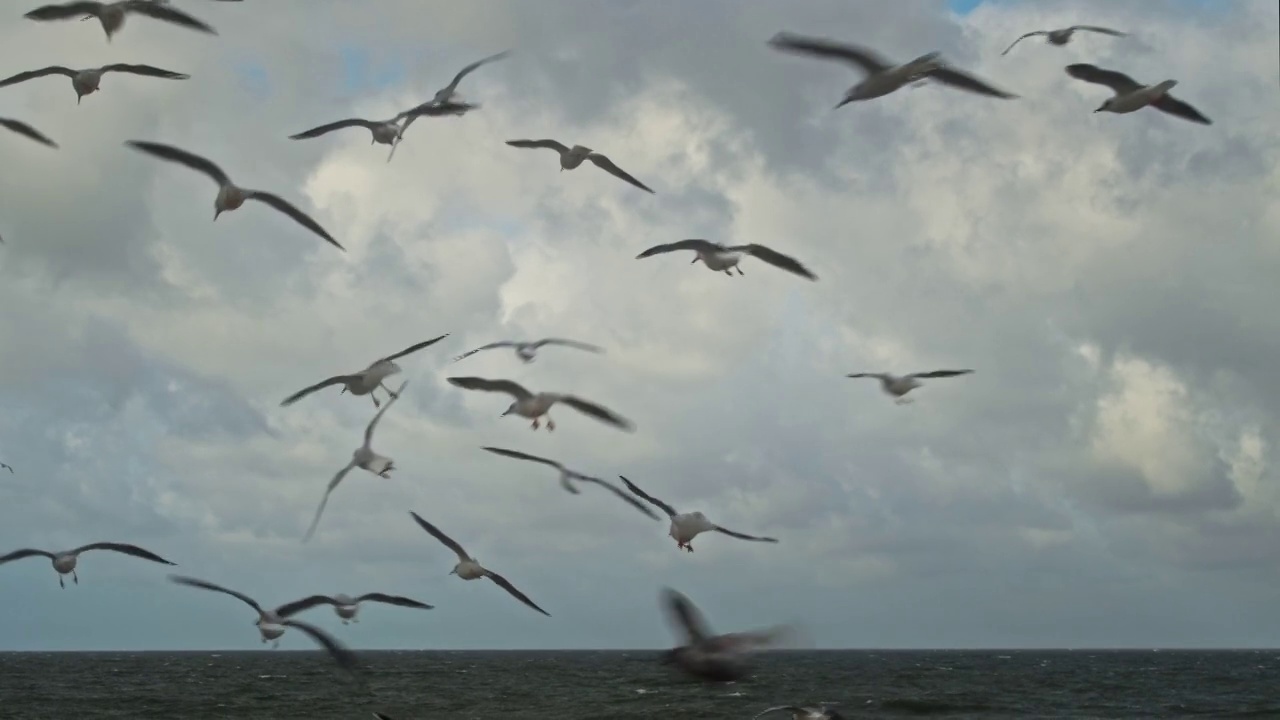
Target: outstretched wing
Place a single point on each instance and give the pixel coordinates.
(394, 600)
(569, 343)
(445, 539)
(686, 616)
(66, 11)
(24, 129)
(777, 259)
(670, 511)
(315, 521)
(504, 386)
(1174, 106)
(964, 81)
(468, 69)
(205, 585)
(29, 74)
(1024, 37)
(502, 583)
(1117, 81)
(598, 412)
(344, 657)
(549, 144)
(368, 432)
(182, 157)
(335, 380)
(305, 603)
(860, 57)
(300, 217)
(24, 553)
(147, 70)
(125, 548)
(490, 346)
(1104, 31)
(620, 493)
(703, 246)
(168, 13)
(330, 127)
(741, 536)
(414, 348)
(523, 456)
(607, 165)
(940, 373)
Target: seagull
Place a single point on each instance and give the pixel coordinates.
(346, 606)
(1063, 36)
(112, 14)
(271, 624)
(469, 569)
(527, 351)
(363, 457)
(716, 658)
(229, 196)
(449, 93)
(1131, 95)
(7, 466)
(567, 476)
(367, 380)
(686, 526)
(571, 158)
(85, 82)
(535, 406)
(899, 386)
(821, 712)
(720, 258)
(883, 77)
(26, 130)
(65, 562)
(427, 109)
(386, 131)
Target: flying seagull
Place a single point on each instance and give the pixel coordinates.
(364, 458)
(899, 386)
(65, 562)
(534, 406)
(883, 77)
(571, 158)
(1131, 95)
(445, 97)
(112, 14)
(715, 658)
(346, 606)
(85, 82)
(1063, 36)
(386, 132)
(686, 526)
(449, 93)
(367, 380)
(721, 258)
(469, 569)
(527, 351)
(27, 131)
(229, 196)
(822, 712)
(271, 624)
(567, 477)
(428, 109)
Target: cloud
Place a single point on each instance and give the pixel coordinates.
(1109, 277)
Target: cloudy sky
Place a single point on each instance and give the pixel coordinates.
(1104, 478)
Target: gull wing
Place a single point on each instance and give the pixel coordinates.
(168, 13)
(206, 585)
(394, 600)
(311, 529)
(146, 70)
(336, 125)
(741, 536)
(1104, 31)
(523, 456)
(569, 343)
(549, 144)
(25, 553)
(670, 511)
(468, 69)
(598, 412)
(1178, 108)
(1024, 37)
(940, 373)
(490, 346)
(445, 539)
(24, 129)
(685, 615)
(335, 380)
(620, 493)
(344, 657)
(300, 217)
(125, 548)
(964, 81)
(607, 165)
(505, 585)
(701, 246)
(66, 11)
(413, 348)
(1117, 81)
(182, 157)
(504, 386)
(368, 431)
(863, 58)
(305, 603)
(28, 75)
(777, 259)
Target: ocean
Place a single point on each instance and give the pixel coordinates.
(617, 685)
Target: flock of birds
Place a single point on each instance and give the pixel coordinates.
(702, 654)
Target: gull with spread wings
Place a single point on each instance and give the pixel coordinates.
(445, 98)
(899, 385)
(65, 562)
(367, 380)
(387, 132)
(536, 405)
(1063, 36)
(686, 526)
(86, 81)
(567, 477)
(714, 658)
(230, 196)
(883, 76)
(571, 158)
(112, 14)
(527, 351)
(721, 258)
(1131, 95)
(364, 458)
(346, 606)
(468, 568)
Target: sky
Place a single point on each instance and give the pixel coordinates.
(1103, 478)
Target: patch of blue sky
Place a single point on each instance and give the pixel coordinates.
(963, 7)
(254, 77)
(361, 72)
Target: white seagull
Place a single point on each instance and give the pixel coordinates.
(469, 569)
(364, 458)
(446, 97)
(65, 562)
(883, 77)
(714, 658)
(571, 158)
(27, 131)
(230, 196)
(721, 258)
(536, 405)
(1130, 95)
(899, 386)
(112, 14)
(821, 712)
(367, 380)
(686, 526)
(271, 623)
(1063, 36)
(527, 351)
(386, 131)
(85, 82)
(346, 606)
(567, 477)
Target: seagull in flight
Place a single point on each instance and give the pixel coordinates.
(85, 82)
(883, 77)
(112, 14)
(445, 97)
(567, 477)
(822, 712)
(714, 658)
(364, 458)
(571, 158)
(536, 405)
(271, 623)
(1063, 36)
(527, 351)
(65, 562)
(385, 131)
(1130, 95)
(346, 606)
(230, 196)
(721, 258)
(686, 526)
(469, 569)
(27, 131)
(367, 380)
(899, 386)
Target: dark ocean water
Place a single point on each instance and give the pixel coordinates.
(275, 685)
